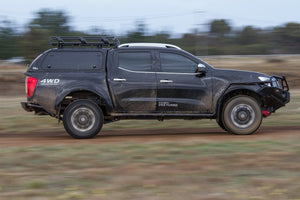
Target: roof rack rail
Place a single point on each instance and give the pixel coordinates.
(97, 41)
(149, 45)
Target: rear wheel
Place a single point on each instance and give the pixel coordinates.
(242, 115)
(83, 119)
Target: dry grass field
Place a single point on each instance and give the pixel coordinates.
(170, 160)
(197, 167)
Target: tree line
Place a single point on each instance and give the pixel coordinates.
(219, 39)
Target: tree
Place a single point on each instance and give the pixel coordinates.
(219, 28)
(34, 43)
(54, 21)
(138, 35)
(289, 33)
(249, 35)
(161, 37)
(47, 23)
(287, 38)
(8, 40)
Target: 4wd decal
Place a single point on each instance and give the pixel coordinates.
(50, 81)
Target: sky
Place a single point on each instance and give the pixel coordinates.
(176, 16)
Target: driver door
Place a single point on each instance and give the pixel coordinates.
(180, 87)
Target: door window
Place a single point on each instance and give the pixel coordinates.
(176, 63)
(135, 61)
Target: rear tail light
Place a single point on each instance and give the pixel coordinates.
(30, 85)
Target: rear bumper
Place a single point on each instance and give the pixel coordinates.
(38, 109)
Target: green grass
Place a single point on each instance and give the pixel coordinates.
(161, 170)
(14, 119)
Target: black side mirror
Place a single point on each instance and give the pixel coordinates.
(201, 68)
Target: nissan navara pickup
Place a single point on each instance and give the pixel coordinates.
(89, 81)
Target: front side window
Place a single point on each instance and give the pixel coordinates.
(135, 61)
(176, 63)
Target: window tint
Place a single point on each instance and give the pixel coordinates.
(73, 60)
(135, 61)
(171, 62)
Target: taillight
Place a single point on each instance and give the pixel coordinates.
(30, 85)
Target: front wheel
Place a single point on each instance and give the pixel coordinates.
(242, 115)
(83, 119)
(221, 124)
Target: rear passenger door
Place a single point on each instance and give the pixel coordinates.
(132, 81)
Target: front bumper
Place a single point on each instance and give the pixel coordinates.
(275, 97)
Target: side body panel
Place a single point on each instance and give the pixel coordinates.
(54, 84)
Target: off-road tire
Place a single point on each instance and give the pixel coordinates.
(242, 115)
(83, 119)
(221, 124)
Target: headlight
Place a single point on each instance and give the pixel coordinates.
(263, 78)
(275, 82)
(270, 82)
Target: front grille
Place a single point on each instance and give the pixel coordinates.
(280, 82)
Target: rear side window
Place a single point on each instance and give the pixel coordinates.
(135, 61)
(73, 60)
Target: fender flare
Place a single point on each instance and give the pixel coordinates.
(100, 92)
(242, 88)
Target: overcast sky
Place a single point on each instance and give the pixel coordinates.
(177, 16)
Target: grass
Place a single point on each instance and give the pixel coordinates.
(189, 169)
(161, 170)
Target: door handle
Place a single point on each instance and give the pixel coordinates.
(119, 79)
(166, 81)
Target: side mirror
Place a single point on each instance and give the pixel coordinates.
(201, 68)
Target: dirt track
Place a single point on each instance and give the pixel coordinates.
(147, 135)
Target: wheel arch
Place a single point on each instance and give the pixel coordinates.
(67, 97)
(235, 92)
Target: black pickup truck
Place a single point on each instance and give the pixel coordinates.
(89, 81)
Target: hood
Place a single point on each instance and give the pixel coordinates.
(241, 76)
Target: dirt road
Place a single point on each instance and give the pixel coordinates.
(146, 135)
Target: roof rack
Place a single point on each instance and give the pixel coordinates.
(97, 41)
(149, 45)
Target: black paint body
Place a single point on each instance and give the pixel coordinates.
(125, 93)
